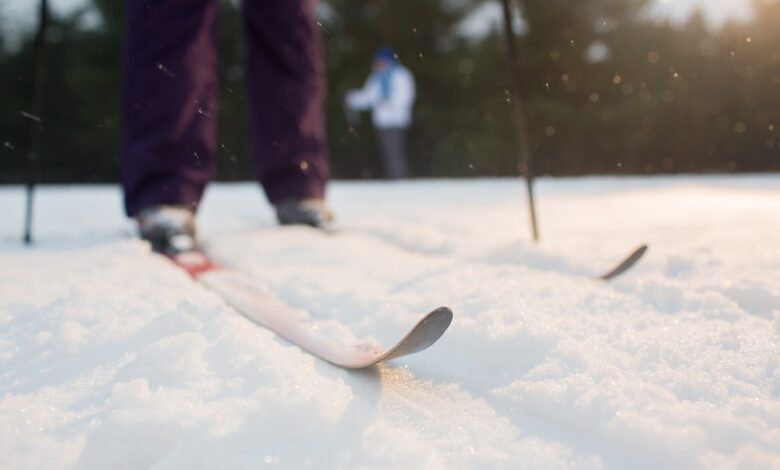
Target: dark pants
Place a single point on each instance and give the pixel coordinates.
(171, 90)
(392, 148)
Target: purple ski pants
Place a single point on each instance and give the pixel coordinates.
(171, 91)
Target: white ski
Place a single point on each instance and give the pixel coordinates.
(264, 308)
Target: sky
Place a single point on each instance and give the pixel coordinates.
(677, 11)
(22, 12)
(717, 11)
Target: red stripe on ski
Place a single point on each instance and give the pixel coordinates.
(195, 263)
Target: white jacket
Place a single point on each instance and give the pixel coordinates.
(395, 111)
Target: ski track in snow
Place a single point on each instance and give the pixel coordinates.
(111, 357)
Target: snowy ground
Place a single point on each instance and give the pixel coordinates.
(111, 358)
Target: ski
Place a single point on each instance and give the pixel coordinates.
(627, 263)
(261, 306)
(624, 265)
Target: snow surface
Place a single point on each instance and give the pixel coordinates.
(112, 358)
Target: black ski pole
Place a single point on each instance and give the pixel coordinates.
(521, 134)
(36, 117)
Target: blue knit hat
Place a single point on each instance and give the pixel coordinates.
(386, 53)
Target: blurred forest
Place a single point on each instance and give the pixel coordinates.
(608, 89)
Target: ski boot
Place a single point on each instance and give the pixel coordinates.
(171, 232)
(169, 229)
(311, 211)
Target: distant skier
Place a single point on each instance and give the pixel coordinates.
(389, 92)
(170, 113)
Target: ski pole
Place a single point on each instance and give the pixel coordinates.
(35, 117)
(521, 134)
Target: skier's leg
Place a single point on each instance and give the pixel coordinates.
(383, 143)
(286, 89)
(170, 102)
(400, 152)
(391, 148)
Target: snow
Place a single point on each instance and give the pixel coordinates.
(109, 357)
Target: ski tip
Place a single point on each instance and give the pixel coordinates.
(434, 325)
(626, 264)
(638, 253)
(443, 314)
(423, 335)
(439, 321)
